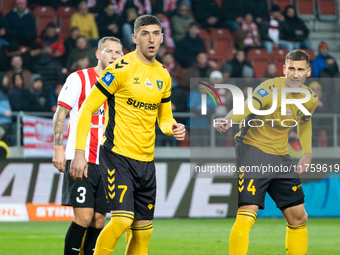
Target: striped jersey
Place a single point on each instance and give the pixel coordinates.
(76, 88)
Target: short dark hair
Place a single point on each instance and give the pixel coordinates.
(297, 55)
(146, 20)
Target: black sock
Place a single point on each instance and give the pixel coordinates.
(90, 240)
(73, 239)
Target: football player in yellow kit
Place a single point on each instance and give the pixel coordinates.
(266, 145)
(137, 89)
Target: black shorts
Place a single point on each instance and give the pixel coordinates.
(130, 185)
(88, 192)
(254, 180)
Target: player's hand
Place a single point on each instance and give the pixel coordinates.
(78, 166)
(304, 163)
(59, 159)
(222, 124)
(178, 131)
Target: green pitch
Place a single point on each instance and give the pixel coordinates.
(176, 237)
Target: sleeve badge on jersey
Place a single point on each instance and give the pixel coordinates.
(159, 84)
(108, 78)
(262, 93)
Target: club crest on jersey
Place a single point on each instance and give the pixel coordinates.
(159, 84)
(108, 78)
(262, 93)
(148, 83)
(298, 113)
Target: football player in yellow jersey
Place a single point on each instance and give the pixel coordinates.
(264, 144)
(137, 89)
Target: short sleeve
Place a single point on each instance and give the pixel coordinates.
(70, 92)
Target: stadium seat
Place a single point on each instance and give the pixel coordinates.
(204, 34)
(311, 54)
(259, 59)
(305, 9)
(220, 34)
(283, 4)
(6, 6)
(327, 10)
(64, 14)
(221, 53)
(278, 54)
(43, 15)
(279, 65)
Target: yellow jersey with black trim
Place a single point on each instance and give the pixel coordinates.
(269, 133)
(135, 91)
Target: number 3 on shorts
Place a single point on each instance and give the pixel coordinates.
(251, 187)
(124, 187)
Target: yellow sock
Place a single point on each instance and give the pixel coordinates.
(128, 236)
(139, 242)
(296, 240)
(239, 235)
(81, 252)
(109, 236)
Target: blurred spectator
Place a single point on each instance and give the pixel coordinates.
(107, 21)
(270, 32)
(4, 150)
(5, 114)
(166, 29)
(175, 70)
(259, 10)
(271, 71)
(324, 65)
(169, 6)
(17, 67)
(85, 22)
(248, 34)
(16, 94)
(180, 22)
(189, 47)
(6, 56)
(37, 98)
(3, 41)
(238, 63)
(55, 94)
(161, 52)
(70, 43)
(20, 24)
(41, 63)
(321, 126)
(143, 6)
(294, 146)
(294, 35)
(207, 13)
(199, 124)
(200, 69)
(50, 41)
(226, 70)
(82, 48)
(83, 62)
(5, 83)
(233, 12)
(52, 3)
(127, 20)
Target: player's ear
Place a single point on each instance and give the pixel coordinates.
(284, 70)
(134, 38)
(162, 38)
(309, 71)
(98, 54)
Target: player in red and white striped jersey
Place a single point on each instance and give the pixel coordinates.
(87, 196)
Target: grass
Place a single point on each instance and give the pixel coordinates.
(176, 236)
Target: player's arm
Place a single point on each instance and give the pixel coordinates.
(167, 123)
(304, 129)
(59, 117)
(91, 104)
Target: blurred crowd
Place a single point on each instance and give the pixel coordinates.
(219, 40)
